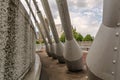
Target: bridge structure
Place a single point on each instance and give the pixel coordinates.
(18, 59)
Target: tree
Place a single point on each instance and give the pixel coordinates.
(79, 37)
(62, 38)
(88, 37)
(42, 41)
(37, 42)
(76, 35)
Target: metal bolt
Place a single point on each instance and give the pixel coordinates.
(113, 73)
(115, 48)
(117, 34)
(86, 77)
(118, 24)
(114, 61)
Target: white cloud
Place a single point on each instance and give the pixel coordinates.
(85, 3)
(86, 17)
(57, 20)
(84, 24)
(85, 14)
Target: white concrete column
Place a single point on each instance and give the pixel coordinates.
(72, 53)
(103, 59)
(50, 19)
(46, 30)
(46, 43)
(58, 45)
(38, 25)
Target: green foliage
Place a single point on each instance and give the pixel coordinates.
(62, 38)
(88, 37)
(76, 35)
(42, 41)
(37, 42)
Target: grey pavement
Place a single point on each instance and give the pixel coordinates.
(52, 70)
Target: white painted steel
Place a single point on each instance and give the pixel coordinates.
(72, 51)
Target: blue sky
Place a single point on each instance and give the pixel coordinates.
(86, 15)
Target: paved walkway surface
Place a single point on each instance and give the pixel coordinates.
(56, 71)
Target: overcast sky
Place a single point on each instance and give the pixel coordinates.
(86, 15)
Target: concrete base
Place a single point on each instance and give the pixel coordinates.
(48, 53)
(91, 76)
(73, 55)
(54, 51)
(74, 66)
(54, 56)
(51, 51)
(61, 59)
(48, 50)
(59, 52)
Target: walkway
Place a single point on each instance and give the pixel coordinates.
(58, 71)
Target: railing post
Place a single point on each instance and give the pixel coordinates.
(59, 46)
(103, 58)
(73, 54)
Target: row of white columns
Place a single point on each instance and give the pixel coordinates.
(103, 58)
(70, 52)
